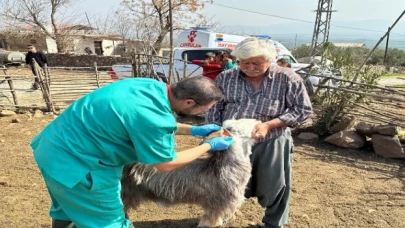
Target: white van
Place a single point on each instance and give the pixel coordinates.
(204, 38)
(194, 43)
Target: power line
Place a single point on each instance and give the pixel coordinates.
(299, 20)
(266, 14)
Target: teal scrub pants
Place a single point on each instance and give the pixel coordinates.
(86, 208)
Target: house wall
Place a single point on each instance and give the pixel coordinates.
(19, 44)
(81, 44)
(109, 46)
(51, 45)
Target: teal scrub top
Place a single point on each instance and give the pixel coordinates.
(122, 123)
(230, 65)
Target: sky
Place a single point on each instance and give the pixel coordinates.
(347, 10)
(365, 14)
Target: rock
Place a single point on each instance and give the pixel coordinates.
(38, 113)
(4, 181)
(305, 216)
(252, 224)
(346, 123)
(389, 130)
(347, 139)
(387, 146)
(15, 121)
(308, 136)
(5, 113)
(402, 140)
(371, 211)
(2, 140)
(303, 127)
(364, 128)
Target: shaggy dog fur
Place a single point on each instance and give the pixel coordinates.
(216, 183)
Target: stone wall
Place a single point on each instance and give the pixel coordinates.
(66, 60)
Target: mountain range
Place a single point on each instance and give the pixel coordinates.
(297, 33)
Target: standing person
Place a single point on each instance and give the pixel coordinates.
(283, 63)
(39, 57)
(211, 68)
(266, 92)
(229, 61)
(81, 153)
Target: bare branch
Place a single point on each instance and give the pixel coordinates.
(38, 14)
(155, 13)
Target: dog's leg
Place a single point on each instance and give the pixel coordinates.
(230, 214)
(211, 219)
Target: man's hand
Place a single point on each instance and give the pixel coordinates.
(220, 143)
(260, 130)
(204, 63)
(204, 130)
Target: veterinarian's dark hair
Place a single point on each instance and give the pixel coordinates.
(201, 89)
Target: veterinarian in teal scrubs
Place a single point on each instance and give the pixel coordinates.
(81, 154)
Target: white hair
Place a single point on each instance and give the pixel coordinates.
(254, 47)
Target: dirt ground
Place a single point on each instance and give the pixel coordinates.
(332, 187)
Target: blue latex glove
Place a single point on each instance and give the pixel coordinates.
(204, 130)
(220, 143)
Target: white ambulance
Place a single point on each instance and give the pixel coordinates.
(193, 44)
(202, 37)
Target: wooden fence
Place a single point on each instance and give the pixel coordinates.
(9, 84)
(60, 86)
(379, 104)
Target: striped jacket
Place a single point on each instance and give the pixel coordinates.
(282, 95)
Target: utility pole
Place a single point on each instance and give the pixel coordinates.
(386, 45)
(321, 28)
(171, 41)
(295, 44)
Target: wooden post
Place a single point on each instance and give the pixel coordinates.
(139, 70)
(12, 91)
(97, 75)
(11, 85)
(185, 65)
(178, 75)
(44, 86)
(171, 40)
(134, 67)
(47, 76)
(386, 46)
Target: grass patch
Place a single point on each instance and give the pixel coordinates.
(400, 85)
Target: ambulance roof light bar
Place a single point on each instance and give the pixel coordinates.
(203, 28)
(262, 36)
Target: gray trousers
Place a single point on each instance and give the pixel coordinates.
(271, 178)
